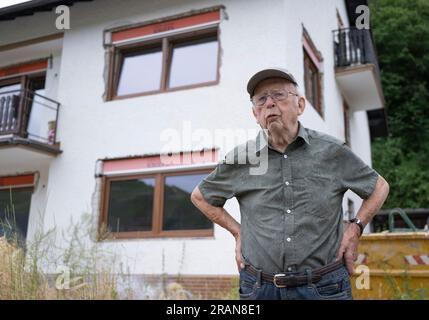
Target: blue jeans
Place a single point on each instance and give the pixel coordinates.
(334, 285)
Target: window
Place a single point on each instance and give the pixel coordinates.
(23, 108)
(312, 73)
(131, 205)
(156, 205)
(14, 212)
(15, 201)
(9, 106)
(193, 62)
(34, 123)
(312, 83)
(171, 63)
(174, 53)
(140, 71)
(179, 212)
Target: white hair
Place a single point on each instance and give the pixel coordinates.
(298, 92)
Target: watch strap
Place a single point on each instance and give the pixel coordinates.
(359, 223)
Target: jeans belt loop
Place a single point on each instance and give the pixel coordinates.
(309, 276)
(258, 278)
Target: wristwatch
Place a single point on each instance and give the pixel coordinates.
(359, 223)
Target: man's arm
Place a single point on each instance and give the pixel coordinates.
(367, 211)
(373, 204)
(221, 217)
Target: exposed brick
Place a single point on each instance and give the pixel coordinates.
(202, 287)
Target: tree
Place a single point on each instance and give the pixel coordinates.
(401, 33)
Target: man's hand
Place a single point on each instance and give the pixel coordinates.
(238, 257)
(349, 246)
(369, 207)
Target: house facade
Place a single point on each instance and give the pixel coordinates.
(121, 115)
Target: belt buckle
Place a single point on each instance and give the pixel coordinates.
(275, 278)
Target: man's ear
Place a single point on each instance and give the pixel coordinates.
(301, 105)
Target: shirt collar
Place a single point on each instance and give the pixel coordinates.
(262, 137)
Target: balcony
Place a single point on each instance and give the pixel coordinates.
(27, 128)
(356, 69)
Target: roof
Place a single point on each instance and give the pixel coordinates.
(29, 8)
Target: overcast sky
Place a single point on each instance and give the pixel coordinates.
(6, 3)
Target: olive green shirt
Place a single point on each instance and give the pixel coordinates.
(291, 215)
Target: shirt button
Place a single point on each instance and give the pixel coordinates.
(285, 156)
(288, 239)
(288, 211)
(287, 183)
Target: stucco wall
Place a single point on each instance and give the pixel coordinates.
(253, 36)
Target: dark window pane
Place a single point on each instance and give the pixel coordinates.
(315, 85)
(14, 212)
(130, 205)
(311, 77)
(179, 212)
(37, 83)
(140, 72)
(194, 62)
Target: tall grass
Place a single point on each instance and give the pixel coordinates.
(40, 269)
(402, 288)
(71, 263)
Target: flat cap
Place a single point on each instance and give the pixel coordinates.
(266, 74)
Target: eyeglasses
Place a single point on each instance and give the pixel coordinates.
(281, 95)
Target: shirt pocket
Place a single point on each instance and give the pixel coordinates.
(321, 191)
(313, 195)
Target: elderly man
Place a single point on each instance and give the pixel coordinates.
(291, 243)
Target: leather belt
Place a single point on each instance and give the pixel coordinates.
(282, 280)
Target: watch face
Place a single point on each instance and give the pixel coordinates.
(355, 220)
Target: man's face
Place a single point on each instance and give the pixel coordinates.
(277, 115)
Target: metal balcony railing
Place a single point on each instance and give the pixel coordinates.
(28, 115)
(354, 47)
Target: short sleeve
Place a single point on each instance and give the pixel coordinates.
(354, 174)
(218, 186)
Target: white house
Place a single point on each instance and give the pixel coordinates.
(120, 115)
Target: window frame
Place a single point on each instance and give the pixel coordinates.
(346, 115)
(167, 42)
(20, 188)
(21, 185)
(310, 53)
(25, 80)
(157, 211)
